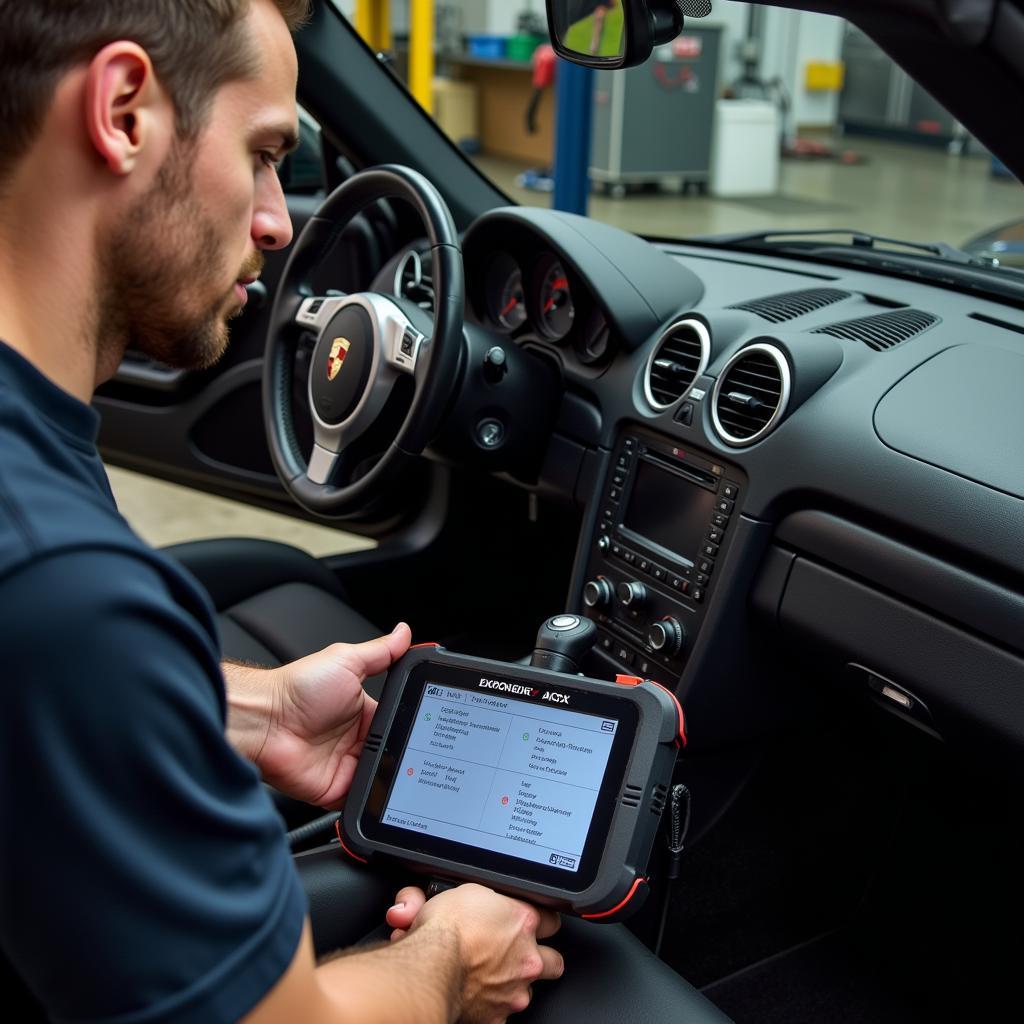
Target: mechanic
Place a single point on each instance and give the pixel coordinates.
(145, 874)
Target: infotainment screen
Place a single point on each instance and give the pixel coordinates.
(668, 510)
(505, 775)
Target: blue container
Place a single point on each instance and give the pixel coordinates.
(486, 47)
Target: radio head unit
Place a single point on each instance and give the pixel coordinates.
(540, 785)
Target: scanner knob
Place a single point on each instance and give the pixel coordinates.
(666, 636)
(631, 594)
(597, 593)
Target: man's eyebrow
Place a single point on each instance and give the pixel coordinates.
(288, 136)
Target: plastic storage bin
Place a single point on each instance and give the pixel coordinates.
(486, 47)
(745, 148)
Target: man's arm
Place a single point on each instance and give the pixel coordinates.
(468, 954)
(303, 725)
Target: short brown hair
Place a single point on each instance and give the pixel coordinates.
(196, 46)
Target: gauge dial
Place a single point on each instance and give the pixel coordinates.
(506, 298)
(595, 342)
(555, 310)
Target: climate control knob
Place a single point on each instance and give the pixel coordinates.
(597, 593)
(666, 636)
(631, 594)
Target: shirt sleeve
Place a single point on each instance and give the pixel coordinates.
(144, 874)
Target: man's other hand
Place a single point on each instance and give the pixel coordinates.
(304, 724)
(498, 945)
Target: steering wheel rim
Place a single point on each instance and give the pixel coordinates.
(385, 343)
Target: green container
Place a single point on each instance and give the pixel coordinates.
(522, 47)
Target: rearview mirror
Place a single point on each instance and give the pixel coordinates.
(610, 34)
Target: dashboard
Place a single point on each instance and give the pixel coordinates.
(775, 456)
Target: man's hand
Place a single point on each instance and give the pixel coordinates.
(498, 946)
(303, 725)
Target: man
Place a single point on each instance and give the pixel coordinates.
(144, 874)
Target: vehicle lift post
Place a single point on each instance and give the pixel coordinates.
(574, 116)
(373, 23)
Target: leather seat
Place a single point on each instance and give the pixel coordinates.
(274, 602)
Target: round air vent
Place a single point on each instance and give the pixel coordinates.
(679, 358)
(751, 395)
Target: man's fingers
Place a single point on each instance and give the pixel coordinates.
(398, 933)
(550, 922)
(378, 655)
(408, 903)
(554, 965)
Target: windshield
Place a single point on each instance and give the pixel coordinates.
(754, 119)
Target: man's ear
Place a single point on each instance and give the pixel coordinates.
(125, 106)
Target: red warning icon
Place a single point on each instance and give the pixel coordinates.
(409, 771)
(504, 801)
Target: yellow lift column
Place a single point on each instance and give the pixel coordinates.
(373, 23)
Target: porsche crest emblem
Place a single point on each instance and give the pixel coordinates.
(337, 359)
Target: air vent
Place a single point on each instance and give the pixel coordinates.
(632, 796)
(751, 395)
(679, 358)
(884, 330)
(789, 305)
(658, 799)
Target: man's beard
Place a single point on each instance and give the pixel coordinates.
(157, 267)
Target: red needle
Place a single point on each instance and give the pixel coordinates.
(512, 303)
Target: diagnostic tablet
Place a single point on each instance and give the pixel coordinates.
(544, 786)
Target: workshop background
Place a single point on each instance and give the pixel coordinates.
(771, 119)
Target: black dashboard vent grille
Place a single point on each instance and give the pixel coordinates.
(679, 358)
(884, 330)
(751, 395)
(778, 309)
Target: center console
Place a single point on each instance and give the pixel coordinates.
(663, 528)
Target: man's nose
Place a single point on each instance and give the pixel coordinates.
(271, 222)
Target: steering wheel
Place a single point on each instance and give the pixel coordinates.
(366, 343)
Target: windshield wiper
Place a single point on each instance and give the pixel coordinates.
(858, 240)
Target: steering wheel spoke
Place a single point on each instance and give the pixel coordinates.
(323, 464)
(316, 311)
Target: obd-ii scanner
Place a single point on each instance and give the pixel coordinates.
(539, 784)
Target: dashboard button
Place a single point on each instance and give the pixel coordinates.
(604, 526)
(715, 535)
(618, 480)
(617, 549)
(643, 565)
(625, 655)
(628, 557)
(608, 514)
(706, 566)
(684, 414)
(697, 594)
(624, 461)
(607, 643)
(731, 491)
(724, 506)
(711, 550)
(702, 579)
(658, 573)
(614, 494)
(720, 521)
(629, 443)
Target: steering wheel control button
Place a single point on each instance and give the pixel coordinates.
(495, 365)
(597, 593)
(490, 434)
(631, 594)
(341, 366)
(666, 636)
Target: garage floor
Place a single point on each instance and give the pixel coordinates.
(902, 191)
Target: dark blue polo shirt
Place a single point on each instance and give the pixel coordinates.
(144, 875)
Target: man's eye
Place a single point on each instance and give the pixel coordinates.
(270, 159)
